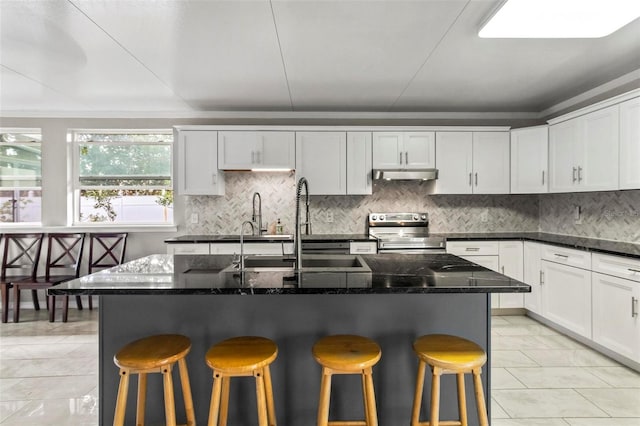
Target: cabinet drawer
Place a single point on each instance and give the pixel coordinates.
(567, 256)
(188, 248)
(618, 266)
(361, 247)
(473, 248)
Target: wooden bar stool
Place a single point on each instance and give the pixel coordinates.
(447, 354)
(347, 354)
(154, 354)
(240, 357)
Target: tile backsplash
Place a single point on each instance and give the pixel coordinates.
(347, 214)
(613, 215)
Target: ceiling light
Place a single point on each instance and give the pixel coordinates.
(560, 18)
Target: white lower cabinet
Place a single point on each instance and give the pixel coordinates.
(188, 248)
(532, 272)
(273, 249)
(511, 264)
(616, 325)
(505, 257)
(566, 298)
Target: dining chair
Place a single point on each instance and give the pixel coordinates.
(20, 257)
(64, 254)
(106, 250)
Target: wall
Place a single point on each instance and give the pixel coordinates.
(613, 215)
(447, 213)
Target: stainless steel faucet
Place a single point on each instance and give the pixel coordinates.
(257, 217)
(307, 224)
(242, 241)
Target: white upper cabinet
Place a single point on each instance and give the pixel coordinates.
(491, 162)
(255, 150)
(630, 144)
(583, 152)
(529, 160)
(454, 157)
(321, 159)
(359, 152)
(472, 162)
(403, 150)
(197, 163)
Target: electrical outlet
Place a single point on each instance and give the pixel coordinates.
(484, 216)
(329, 217)
(194, 217)
(577, 215)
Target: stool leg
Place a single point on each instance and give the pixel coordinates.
(435, 397)
(271, 409)
(260, 396)
(16, 304)
(482, 407)
(4, 294)
(65, 308)
(367, 420)
(169, 401)
(325, 396)
(186, 390)
(371, 398)
(417, 397)
(224, 401)
(36, 302)
(142, 398)
(214, 407)
(462, 399)
(51, 305)
(121, 400)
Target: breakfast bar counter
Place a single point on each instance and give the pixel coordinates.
(391, 298)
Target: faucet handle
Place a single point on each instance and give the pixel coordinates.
(235, 261)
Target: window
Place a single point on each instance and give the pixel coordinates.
(20, 175)
(123, 177)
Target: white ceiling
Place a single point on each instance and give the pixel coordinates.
(194, 56)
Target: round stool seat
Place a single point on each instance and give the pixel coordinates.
(449, 352)
(346, 352)
(241, 354)
(153, 352)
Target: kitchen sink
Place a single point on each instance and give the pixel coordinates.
(310, 263)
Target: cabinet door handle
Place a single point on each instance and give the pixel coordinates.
(214, 179)
(472, 249)
(476, 178)
(561, 255)
(579, 174)
(633, 270)
(258, 157)
(400, 158)
(541, 277)
(502, 269)
(574, 175)
(470, 179)
(543, 177)
(406, 157)
(634, 307)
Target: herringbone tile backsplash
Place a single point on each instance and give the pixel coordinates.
(609, 215)
(447, 213)
(613, 215)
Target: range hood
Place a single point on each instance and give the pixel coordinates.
(403, 174)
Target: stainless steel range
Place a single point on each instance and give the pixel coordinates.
(404, 233)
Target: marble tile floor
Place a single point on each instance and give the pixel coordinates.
(48, 376)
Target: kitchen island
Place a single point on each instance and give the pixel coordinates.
(395, 299)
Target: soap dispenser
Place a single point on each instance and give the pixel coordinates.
(279, 227)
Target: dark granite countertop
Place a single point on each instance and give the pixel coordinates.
(266, 238)
(582, 243)
(203, 274)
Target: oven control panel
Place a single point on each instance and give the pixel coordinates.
(410, 219)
